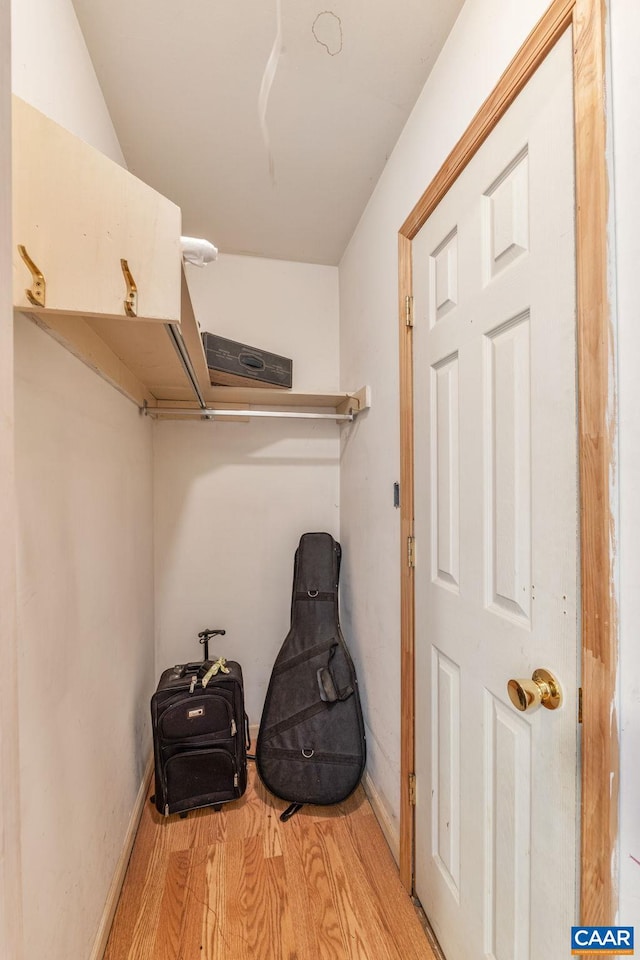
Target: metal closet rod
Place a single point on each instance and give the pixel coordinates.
(207, 413)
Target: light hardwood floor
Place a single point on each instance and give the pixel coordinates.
(241, 885)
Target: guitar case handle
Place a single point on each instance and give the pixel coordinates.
(329, 692)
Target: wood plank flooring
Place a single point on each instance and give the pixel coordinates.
(241, 885)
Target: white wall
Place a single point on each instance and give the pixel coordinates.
(232, 499)
(85, 617)
(85, 569)
(10, 875)
(52, 69)
(481, 44)
(625, 42)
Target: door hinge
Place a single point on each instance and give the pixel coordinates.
(412, 789)
(411, 551)
(408, 311)
(579, 704)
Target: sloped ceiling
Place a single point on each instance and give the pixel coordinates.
(286, 177)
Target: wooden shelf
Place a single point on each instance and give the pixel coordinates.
(264, 397)
(78, 214)
(260, 399)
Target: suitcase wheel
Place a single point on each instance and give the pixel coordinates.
(217, 807)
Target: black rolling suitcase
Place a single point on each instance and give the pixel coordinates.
(311, 745)
(200, 733)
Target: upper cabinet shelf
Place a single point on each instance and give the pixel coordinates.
(78, 215)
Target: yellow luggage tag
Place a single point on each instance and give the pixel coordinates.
(219, 665)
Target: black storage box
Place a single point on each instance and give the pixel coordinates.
(233, 364)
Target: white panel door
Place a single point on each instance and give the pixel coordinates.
(497, 537)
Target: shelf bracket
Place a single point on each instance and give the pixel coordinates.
(356, 402)
(131, 303)
(36, 296)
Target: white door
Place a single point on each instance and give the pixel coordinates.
(496, 537)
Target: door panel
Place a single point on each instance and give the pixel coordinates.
(446, 768)
(507, 433)
(446, 466)
(508, 832)
(496, 533)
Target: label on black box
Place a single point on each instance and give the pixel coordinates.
(231, 363)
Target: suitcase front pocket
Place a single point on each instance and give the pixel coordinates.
(200, 777)
(197, 716)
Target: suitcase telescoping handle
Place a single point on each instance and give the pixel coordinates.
(205, 635)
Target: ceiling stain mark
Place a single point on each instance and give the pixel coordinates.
(265, 87)
(327, 31)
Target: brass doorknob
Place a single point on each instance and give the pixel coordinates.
(543, 688)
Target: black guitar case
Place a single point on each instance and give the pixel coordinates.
(311, 743)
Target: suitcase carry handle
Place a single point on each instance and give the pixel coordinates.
(197, 667)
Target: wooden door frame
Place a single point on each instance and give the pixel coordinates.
(596, 440)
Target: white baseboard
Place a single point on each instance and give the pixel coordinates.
(390, 830)
(253, 733)
(100, 944)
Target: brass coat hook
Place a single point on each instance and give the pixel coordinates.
(131, 303)
(37, 295)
